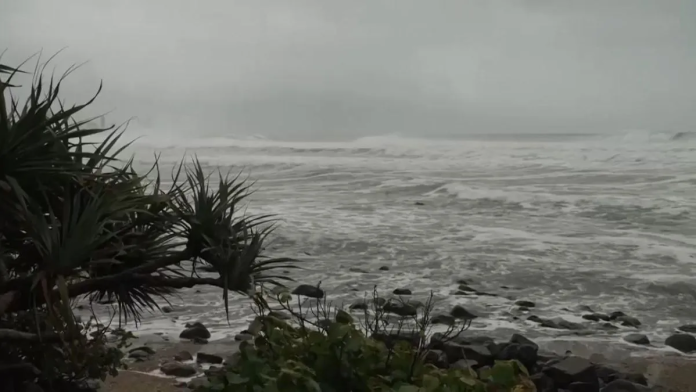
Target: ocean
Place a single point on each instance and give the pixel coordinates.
(566, 221)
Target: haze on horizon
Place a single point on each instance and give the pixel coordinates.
(329, 70)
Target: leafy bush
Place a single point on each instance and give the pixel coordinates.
(341, 354)
(76, 222)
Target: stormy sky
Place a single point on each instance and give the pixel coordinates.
(326, 70)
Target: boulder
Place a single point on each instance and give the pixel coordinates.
(358, 305)
(683, 342)
(465, 288)
(310, 291)
(459, 312)
(178, 369)
(596, 317)
(628, 321)
(402, 291)
(543, 383)
(198, 382)
(456, 351)
(526, 304)
(384, 268)
(637, 338)
(183, 356)
(208, 358)
(358, 270)
(400, 309)
(614, 315)
(520, 339)
(583, 387)
(572, 369)
(689, 328)
(390, 339)
(526, 354)
(242, 337)
(166, 309)
(443, 319)
(195, 331)
(624, 386)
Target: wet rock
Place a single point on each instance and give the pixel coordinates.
(443, 319)
(637, 338)
(215, 371)
(183, 356)
(208, 358)
(609, 326)
(596, 317)
(402, 291)
(624, 386)
(526, 304)
(543, 383)
(438, 339)
(683, 342)
(178, 369)
(200, 341)
(461, 281)
(310, 291)
(583, 387)
(464, 364)
(384, 268)
(585, 308)
(523, 309)
(390, 339)
(198, 382)
(628, 321)
(459, 312)
(242, 337)
(465, 288)
(419, 203)
(459, 292)
(358, 305)
(557, 323)
(526, 354)
(358, 270)
(141, 353)
(455, 352)
(166, 309)
(572, 369)
(400, 308)
(615, 315)
(689, 328)
(437, 358)
(535, 318)
(195, 331)
(521, 339)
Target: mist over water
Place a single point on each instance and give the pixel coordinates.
(605, 221)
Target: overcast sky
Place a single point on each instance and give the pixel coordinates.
(345, 69)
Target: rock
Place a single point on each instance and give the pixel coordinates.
(583, 387)
(461, 281)
(543, 383)
(139, 356)
(459, 292)
(683, 342)
(535, 318)
(526, 304)
(200, 341)
(690, 328)
(559, 323)
(444, 319)
(437, 358)
(384, 268)
(390, 339)
(459, 312)
(419, 203)
(379, 301)
(624, 386)
(208, 358)
(206, 268)
(596, 317)
(463, 287)
(166, 309)
(479, 353)
(401, 309)
(637, 338)
(306, 290)
(609, 326)
(178, 369)
(215, 371)
(183, 356)
(614, 315)
(520, 339)
(526, 354)
(585, 308)
(523, 309)
(358, 305)
(241, 337)
(358, 270)
(464, 364)
(628, 321)
(402, 292)
(279, 315)
(198, 382)
(572, 369)
(195, 331)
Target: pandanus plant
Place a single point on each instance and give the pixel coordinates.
(79, 223)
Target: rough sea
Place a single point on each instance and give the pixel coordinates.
(566, 221)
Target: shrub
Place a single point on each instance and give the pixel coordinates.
(341, 354)
(77, 222)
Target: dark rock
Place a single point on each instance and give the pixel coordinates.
(279, 315)
(614, 315)
(463, 287)
(166, 309)
(526, 354)
(683, 342)
(402, 292)
(215, 371)
(200, 341)
(358, 270)
(178, 369)
(596, 317)
(461, 281)
(358, 305)
(637, 338)
(583, 387)
(419, 203)
(183, 356)
(459, 292)
(140, 353)
(310, 291)
(206, 268)
(559, 323)
(609, 326)
(535, 318)
(437, 358)
(401, 309)
(145, 349)
(479, 353)
(194, 331)
(198, 382)
(543, 383)
(585, 308)
(526, 304)
(208, 358)
(384, 268)
(690, 328)
(459, 312)
(390, 339)
(444, 319)
(623, 386)
(242, 337)
(464, 364)
(523, 309)
(572, 369)
(628, 321)
(438, 339)
(520, 339)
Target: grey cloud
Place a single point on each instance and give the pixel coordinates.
(330, 69)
